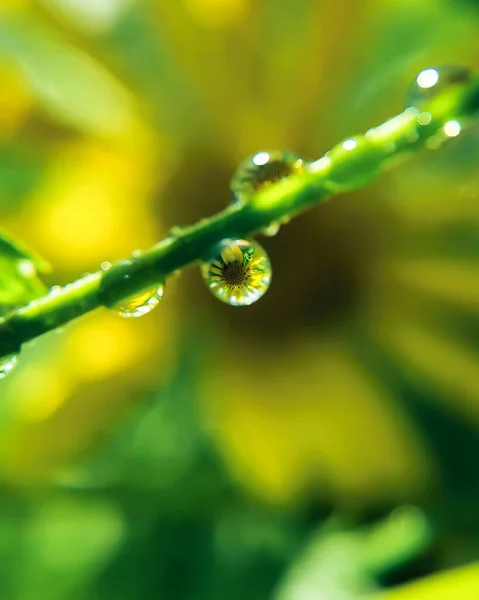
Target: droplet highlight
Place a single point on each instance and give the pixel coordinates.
(7, 363)
(433, 81)
(262, 170)
(452, 128)
(272, 229)
(139, 304)
(238, 272)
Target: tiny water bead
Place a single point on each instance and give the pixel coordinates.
(262, 170)
(238, 272)
(139, 304)
(7, 363)
(432, 81)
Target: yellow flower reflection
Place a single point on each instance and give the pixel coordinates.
(239, 273)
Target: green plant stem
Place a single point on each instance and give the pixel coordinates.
(345, 167)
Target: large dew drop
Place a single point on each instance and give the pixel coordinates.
(433, 81)
(260, 171)
(238, 272)
(7, 363)
(139, 304)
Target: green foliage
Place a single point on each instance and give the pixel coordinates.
(18, 274)
(234, 454)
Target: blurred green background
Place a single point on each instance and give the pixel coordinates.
(322, 444)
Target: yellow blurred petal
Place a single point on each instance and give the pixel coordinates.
(424, 202)
(457, 584)
(443, 362)
(93, 204)
(51, 390)
(318, 421)
(10, 6)
(444, 279)
(105, 345)
(218, 14)
(15, 100)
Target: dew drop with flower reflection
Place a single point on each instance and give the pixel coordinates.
(261, 170)
(238, 272)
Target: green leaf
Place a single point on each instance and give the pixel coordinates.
(72, 86)
(340, 562)
(18, 273)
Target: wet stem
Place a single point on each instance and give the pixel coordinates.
(352, 164)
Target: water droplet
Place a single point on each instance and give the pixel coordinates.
(350, 144)
(431, 82)
(452, 128)
(263, 169)
(7, 363)
(26, 268)
(424, 118)
(175, 231)
(105, 266)
(272, 229)
(139, 304)
(238, 272)
(321, 165)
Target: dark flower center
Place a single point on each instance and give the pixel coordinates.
(271, 172)
(234, 274)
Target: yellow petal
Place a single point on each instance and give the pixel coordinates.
(444, 363)
(450, 585)
(449, 280)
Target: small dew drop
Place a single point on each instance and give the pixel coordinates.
(433, 81)
(272, 230)
(350, 144)
(105, 266)
(427, 78)
(238, 272)
(452, 128)
(322, 164)
(175, 231)
(139, 304)
(262, 170)
(7, 363)
(26, 268)
(56, 289)
(424, 118)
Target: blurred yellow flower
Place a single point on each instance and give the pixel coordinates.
(142, 128)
